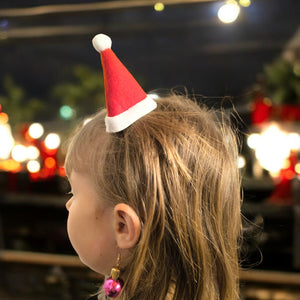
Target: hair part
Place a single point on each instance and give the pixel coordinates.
(177, 168)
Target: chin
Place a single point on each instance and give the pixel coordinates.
(95, 267)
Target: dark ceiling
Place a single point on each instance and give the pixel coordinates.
(184, 45)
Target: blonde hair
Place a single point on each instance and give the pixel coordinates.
(177, 167)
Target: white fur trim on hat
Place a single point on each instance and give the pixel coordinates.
(101, 42)
(126, 118)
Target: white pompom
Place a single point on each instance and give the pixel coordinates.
(101, 42)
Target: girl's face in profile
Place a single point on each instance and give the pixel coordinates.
(90, 225)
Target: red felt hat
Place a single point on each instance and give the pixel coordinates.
(126, 101)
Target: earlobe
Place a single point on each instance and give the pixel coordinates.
(127, 226)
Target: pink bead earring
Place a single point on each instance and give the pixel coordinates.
(113, 285)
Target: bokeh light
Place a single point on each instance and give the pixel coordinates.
(7, 141)
(159, 6)
(52, 141)
(245, 3)
(293, 140)
(272, 147)
(36, 130)
(10, 165)
(229, 12)
(19, 153)
(32, 152)
(50, 163)
(297, 168)
(241, 162)
(66, 112)
(3, 118)
(33, 166)
(253, 140)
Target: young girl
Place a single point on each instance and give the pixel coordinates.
(156, 194)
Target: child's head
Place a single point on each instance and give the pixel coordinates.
(165, 193)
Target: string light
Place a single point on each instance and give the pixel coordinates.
(245, 3)
(7, 141)
(253, 140)
(66, 112)
(241, 162)
(36, 130)
(50, 163)
(52, 141)
(293, 140)
(3, 118)
(32, 152)
(297, 168)
(273, 147)
(159, 6)
(19, 153)
(33, 166)
(229, 12)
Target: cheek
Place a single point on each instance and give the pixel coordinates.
(77, 227)
(73, 228)
(92, 239)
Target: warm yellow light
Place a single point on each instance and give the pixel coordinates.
(10, 165)
(293, 140)
(36, 130)
(273, 149)
(159, 6)
(241, 162)
(286, 164)
(19, 153)
(6, 140)
(297, 168)
(275, 174)
(32, 152)
(253, 140)
(3, 118)
(245, 3)
(33, 166)
(52, 141)
(229, 12)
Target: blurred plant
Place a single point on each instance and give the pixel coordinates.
(84, 93)
(282, 80)
(16, 104)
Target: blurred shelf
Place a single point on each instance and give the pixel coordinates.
(258, 276)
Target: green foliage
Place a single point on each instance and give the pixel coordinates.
(15, 103)
(84, 93)
(282, 82)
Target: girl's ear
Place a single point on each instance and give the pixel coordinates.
(127, 226)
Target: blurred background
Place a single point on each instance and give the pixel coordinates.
(241, 55)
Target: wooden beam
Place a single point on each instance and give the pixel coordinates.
(37, 258)
(258, 276)
(272, 277)
(87, 7)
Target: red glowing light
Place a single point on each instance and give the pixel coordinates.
(62, 172)
(50, 163)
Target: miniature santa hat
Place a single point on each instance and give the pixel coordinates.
(126, 101)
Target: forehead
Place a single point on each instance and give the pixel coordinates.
(86, 146)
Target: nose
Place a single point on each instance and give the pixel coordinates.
(68, 204)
